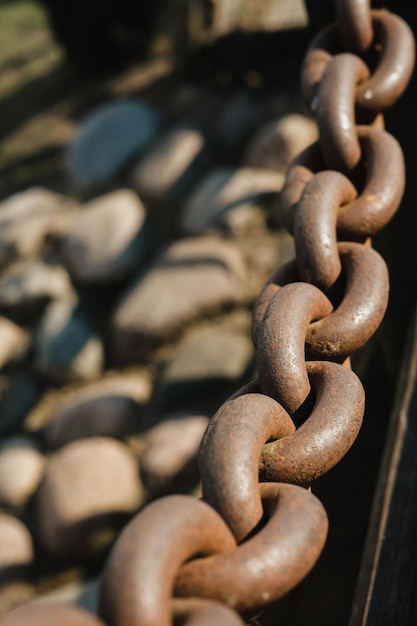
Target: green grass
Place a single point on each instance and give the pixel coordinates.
(27, 48)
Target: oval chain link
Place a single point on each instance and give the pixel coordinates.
(251, 539)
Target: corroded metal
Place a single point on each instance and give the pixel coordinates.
(355, 24)
(336, 335)
(315, 233)
(239, 430)
(395, 44)
(281, 340)
(259, 435)
(383, 170)
(336, 111)
(139, 577)
(266, 566)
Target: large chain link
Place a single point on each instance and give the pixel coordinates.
(247, 543)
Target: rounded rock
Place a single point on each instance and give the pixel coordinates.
(171, 165)
(67, 348)
(16, 554)
(14, 341)
(27, 287)
(169, 458)
(192, 277)
(108, 138)
(89, 489)
(277, 143)
(109, 408)
(207, 357)
(53, 613)
(231, 197)
(18, 395)
(108, 240)
(28, 219)
(21, 469)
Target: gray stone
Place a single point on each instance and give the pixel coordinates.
(282, 14)
(90, 487)
(171, 166)
(111, 407)
(108, 138)
(66, 346)
(231, 197)
(230, 15)
(279, 141)
(169, 458)
(18, 394)
(226, 15)
(16, 553)
(206, 357)
(27, 287)
(108, 240)
(81, 593)
(239, 118)
(31, 218)
(21, 469)
(134, 382)
(193, 277)
(14, 342)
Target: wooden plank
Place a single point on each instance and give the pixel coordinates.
(387, 586)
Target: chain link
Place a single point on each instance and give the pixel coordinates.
(247, 543)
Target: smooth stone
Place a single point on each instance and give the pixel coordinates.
(111, 407)
(108, 240)
(14, 342)
(192, 277)
(135, 382)
(82, 593)
(279, 141)
(53, 613)
(282, 15)
(18, 395)
(27, 287)
(171, 166)
(15, 593)
(29, 220)
(169, 458)
(239, 118)
(66, 345)
(108, 138)
(89, 489)
(21, 469)
(16, 554)
(232, 15)
(231, 197)
(226, 15)
(206, 357)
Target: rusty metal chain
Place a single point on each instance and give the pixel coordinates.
(259, 530)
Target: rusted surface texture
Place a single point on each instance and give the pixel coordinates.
(266, 566)
(378, 200)
(395, 43)
(140, 574)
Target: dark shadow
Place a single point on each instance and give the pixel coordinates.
(34, 97)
